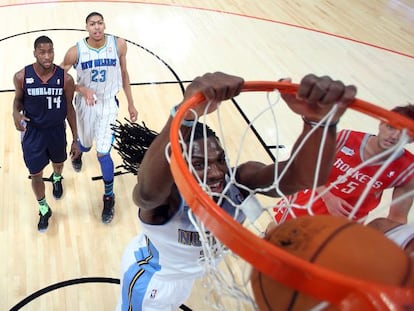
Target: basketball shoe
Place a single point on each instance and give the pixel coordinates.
(44, 220)
(57, 187)
(77, 163)
(108, 208)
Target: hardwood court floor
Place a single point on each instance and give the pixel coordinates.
(371, 46)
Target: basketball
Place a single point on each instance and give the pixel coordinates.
(337, 244)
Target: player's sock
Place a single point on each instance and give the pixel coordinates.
(43, 206)
(109, 187)
(56, 177)
(107, 168)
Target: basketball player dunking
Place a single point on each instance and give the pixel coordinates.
(160, 264)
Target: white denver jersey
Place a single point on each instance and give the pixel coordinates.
(177, 244)
(99, 69)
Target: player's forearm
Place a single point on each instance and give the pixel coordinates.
(71, 117)
(126, 85)
(399, 212)
(80, 89)
(305, 163)
(154, 178)
(17, 106)
(72, 125)
(401, 203)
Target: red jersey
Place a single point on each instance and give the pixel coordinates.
(350, 146)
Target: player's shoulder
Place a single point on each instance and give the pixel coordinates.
(346, 132)
(72, 53)
(119, 39)
(351, 132)
(350, 135)
(409, 155)
(61, 71)
(19, 75)
(73, 48)
(121, 44)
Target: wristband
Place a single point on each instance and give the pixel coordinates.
(317, 124)
(186, 123)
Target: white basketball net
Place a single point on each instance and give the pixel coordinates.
(227, 277)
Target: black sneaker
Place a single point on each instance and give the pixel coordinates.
(108, 208)
(44, 220)
(77, 163)
(57, 187)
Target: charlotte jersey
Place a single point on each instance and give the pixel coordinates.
(99, 69)
(349, 154)
(44, 103)
(174, 248)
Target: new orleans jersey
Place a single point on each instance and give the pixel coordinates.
(99, 69)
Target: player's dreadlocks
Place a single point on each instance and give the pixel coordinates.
(132, 141)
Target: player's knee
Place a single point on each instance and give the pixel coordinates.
(37, 177)
(104, 157)
(83, 148)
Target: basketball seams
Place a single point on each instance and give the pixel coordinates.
(293, 299)
(262, 289)
(405, 280)
(330, 237)
(313, 258)
(406, 277)
(316, 241)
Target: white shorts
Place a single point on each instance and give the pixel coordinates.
(95, 122)
(401, 235)
(143, 288)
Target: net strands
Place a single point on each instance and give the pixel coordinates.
(247, 243)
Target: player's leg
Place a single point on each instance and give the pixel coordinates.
(169, 296)
(142, 288)
(36, 158)
(104, 137)
(57, 152)
(128, 259)
(45, 212)
(85, 118)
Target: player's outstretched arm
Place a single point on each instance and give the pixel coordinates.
(154, 180)
(315, 98)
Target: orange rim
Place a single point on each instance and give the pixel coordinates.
(343, 291)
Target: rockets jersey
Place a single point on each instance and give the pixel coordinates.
(175, 246)
(44, 103)
(350, 146)
(99, 69)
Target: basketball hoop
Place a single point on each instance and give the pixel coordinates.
(342, 291)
